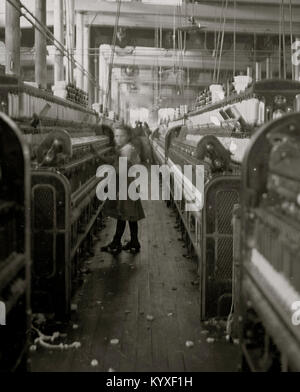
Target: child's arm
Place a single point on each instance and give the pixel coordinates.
(108, 160)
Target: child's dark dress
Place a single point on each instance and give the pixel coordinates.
(127, 210)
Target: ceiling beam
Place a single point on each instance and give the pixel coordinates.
(171, 83)
(148, 22)
(243, 2)
(153, 57)
(250, 16)
(256, 16)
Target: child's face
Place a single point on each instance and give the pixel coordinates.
(121, 137)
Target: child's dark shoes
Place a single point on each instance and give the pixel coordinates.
(112, 248)
(133, 247)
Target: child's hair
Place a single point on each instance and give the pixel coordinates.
(126, 128)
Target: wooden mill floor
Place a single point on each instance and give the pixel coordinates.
(119, 294)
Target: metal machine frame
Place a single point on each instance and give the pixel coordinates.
(15, 267)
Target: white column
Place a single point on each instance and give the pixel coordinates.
(59, 74)
(12, 38)
(127, 113)
(40, 45)
(257, 71)
(70, 37)
(96, 72)
(116, 76)
(269, 71)
(86, 46)
(102, 73)
(296, 58)
(79, 49)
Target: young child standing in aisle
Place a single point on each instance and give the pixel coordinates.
(124, 210)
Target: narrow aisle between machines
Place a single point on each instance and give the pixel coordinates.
(149, 302)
